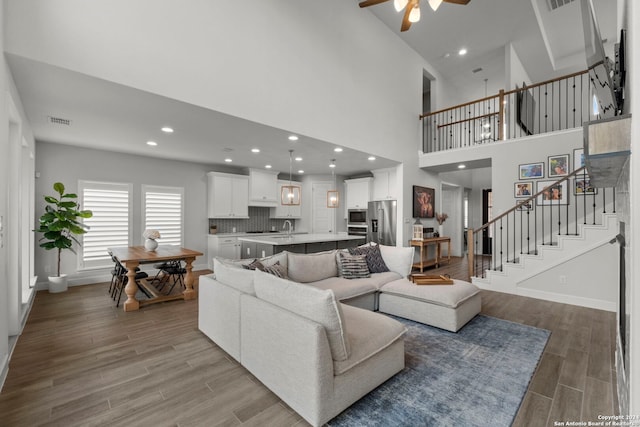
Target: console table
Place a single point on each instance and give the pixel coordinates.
(424, 245)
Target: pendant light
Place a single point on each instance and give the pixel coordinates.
(290, 194)
(333, 198)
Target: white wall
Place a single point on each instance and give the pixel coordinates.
(4, 181)
(68, 164)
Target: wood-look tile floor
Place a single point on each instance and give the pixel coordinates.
(82, 362)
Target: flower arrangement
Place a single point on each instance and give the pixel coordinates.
(151, 234)
(441, 217)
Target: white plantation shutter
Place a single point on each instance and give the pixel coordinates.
(111, 222)
(163, 209)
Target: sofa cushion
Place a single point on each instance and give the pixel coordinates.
(305, 268)
(315, 304)
(276, 269)
(354, 266)
(233, 273)
(445, 295)
(374, 257)
(273, 259)
(369, 333)
(344, 288)
(398, 259)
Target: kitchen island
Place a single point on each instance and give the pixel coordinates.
(266, 245)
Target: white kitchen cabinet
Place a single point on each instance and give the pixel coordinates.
(223, 247)
(358, 192)
(228, 195)
(385, 184)
(263, 188)
(286, 211)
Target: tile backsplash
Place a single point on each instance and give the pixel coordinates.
(258, 221)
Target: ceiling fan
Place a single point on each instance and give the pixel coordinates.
(411, 8)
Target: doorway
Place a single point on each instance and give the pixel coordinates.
(487, 215)
(323, 218)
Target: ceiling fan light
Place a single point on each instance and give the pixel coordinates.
(400, 4)
(414, 15)
(435, 4)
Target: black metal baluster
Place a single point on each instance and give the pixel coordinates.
(614, 199)
(501, 252)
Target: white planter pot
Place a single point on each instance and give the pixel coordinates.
(57, 283)
(441, 230)
(150, 244)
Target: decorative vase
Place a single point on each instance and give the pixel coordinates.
(441, 230)
(150, 244)
(58, 283)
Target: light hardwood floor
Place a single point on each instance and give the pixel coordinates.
(80, 361)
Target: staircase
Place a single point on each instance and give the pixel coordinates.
(526, 245)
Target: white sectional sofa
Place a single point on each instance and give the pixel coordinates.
(314, 338)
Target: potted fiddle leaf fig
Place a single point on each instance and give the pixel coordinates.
(60, 223)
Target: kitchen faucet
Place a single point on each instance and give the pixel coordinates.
(285, 226)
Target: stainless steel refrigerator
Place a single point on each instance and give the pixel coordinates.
(382, 221)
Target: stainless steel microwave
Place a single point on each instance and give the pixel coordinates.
(357, 217)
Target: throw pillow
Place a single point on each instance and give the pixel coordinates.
(354, 266)
(232, 274)
(255, 264)
(277, 270)
(374, 258)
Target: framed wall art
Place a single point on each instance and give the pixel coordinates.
(558, 165)
(553, 195)
(583, 187)
(578, 158)
(423, 202)
(525, 207)
(523, 189)
(531, 170)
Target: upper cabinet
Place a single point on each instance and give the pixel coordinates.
(385, 185)
(263, 188)
(358, 192)
(228, 195)
(292, 210)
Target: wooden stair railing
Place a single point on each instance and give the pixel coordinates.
(555, 219)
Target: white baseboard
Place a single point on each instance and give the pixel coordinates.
(567, 299)
(4, 369)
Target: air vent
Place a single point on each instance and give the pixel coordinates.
(554, 4)
(59, 121)
(477, 70)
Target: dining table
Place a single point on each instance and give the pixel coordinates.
(132, 256)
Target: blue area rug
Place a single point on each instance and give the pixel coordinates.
(476, 377)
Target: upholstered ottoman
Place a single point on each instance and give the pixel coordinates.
(447, 307)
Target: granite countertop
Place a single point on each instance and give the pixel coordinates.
(295, 239)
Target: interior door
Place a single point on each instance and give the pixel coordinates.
(323, 218)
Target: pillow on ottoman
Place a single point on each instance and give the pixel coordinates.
(374, 258)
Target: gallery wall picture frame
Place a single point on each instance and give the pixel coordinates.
(558, 165)
(523, 189)
(424, 205)
(525, 207)
(578, 158)
(555, 194)
(582, 186)
(531, 171)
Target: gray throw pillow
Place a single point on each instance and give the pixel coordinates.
(354, 266)
(374, 258)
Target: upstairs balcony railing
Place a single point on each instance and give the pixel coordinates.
(562, 103)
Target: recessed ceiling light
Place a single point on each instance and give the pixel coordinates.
(152, 143)
(462, 166)
(293, 138)
(462, 52)
(372, 158)
(228, 160)
(267, 166)
(338, 150)
(255, 150)
(298, 159)
(300, 171)
(167, 129)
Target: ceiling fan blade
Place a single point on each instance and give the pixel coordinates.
(406, 24)
(368, 3)
(463, 2)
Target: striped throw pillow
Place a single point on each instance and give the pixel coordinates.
(354, 266)
(277, 270)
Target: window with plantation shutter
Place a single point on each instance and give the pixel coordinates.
(163, 209)
(111, 222)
